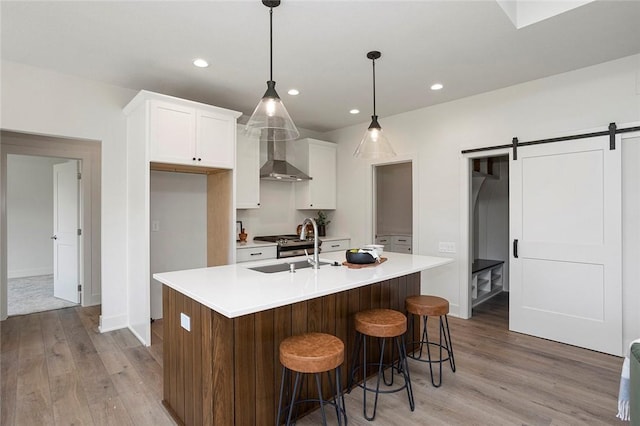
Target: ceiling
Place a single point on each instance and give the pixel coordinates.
(319, 48)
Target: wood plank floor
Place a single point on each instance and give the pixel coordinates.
(56, 369)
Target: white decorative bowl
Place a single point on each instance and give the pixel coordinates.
(378, 247)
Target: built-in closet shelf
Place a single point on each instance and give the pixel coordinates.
(486, 280)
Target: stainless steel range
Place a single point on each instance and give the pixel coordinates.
(290, 245)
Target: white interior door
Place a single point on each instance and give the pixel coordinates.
(65, 231)
(565, 203)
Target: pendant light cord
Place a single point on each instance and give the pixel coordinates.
(374, 86)
(271, 44)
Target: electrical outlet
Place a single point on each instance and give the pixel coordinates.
(155, 225)
(447, 247)
(185, 321)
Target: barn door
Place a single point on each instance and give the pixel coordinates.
(565, 280)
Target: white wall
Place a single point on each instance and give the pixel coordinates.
(582, 99)
(29, 215)
(178, 203)
(39, 101)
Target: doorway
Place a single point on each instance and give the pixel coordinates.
(86, 153)
(393, 221)
(42, 254)
(489, 234)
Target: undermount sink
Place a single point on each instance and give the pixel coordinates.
(281, 267)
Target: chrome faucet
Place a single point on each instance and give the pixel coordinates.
(315, 262)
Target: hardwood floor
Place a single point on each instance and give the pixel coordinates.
(502, 378)
(56, 369)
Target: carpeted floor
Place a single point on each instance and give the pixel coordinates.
(33, 294)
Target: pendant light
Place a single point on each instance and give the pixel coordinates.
(270, 120)
(374, 144)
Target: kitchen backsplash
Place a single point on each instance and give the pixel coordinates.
(277, 213)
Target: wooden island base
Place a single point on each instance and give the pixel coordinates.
(227, 371)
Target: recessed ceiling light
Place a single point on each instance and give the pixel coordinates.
(436, 86)
(293, 92)
(200, 63)
(354, 111)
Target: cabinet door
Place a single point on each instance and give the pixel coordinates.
(334, 245)
(171, 133)
(256, 253)
(322, 167)
(215, 140)
(247, 172)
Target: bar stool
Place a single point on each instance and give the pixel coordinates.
(383, 324)
(312, 353)
(425, 307)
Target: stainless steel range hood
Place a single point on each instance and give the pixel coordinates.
(276, 166)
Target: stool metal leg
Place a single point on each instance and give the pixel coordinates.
(340, 406)
(296, 387)
(402, 350)
(380, 373)
(447, 337)
(426, 334)
(284, 377)
(319, 387)
(354, 362)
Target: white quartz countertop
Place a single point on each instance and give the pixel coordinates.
(335, 237)
(235, 290)
(253, 244)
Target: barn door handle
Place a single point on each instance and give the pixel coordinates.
(515, 248)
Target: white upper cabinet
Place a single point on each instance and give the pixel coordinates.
(215, 136)
(318, 159)
(171, 133)
(188, 133)
(247, 172)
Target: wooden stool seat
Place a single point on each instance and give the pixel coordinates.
(381, 323)
(312, 352)
(432, 306)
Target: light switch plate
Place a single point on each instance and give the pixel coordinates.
(155, 225)
(447, 247)
(185, 321)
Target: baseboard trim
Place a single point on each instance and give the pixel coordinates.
(32, 272)
(112, 323)
(135, 333)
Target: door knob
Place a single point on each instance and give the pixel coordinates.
(54, 237)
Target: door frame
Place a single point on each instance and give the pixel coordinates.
(88, 152)
(466, 224)
(415, 197)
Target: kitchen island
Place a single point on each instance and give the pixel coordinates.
(223, 326)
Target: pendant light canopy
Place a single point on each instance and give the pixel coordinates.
(270, 120)
(374, 144)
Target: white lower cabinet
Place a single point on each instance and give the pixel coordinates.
(248, 254)
(396, 243)
(335, 245)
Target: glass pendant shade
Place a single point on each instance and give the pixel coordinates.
(271, 117)
(270, 120)
(374, 145)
